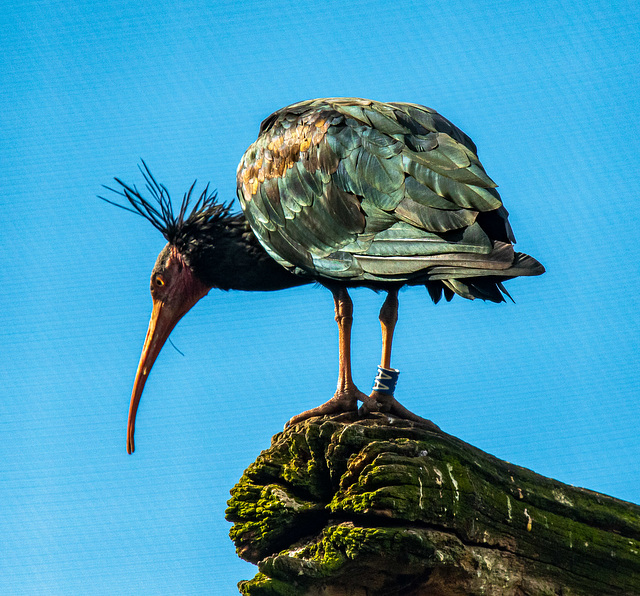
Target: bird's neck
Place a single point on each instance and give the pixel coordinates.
(235, 260)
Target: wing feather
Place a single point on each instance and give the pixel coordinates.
(367, 192)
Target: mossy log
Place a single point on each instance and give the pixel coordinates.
(381, 506)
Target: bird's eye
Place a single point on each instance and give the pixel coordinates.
(159, 281)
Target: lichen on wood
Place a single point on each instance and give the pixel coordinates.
(375, 506)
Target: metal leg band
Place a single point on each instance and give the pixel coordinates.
(385, 381)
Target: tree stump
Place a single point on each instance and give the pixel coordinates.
(380, 506)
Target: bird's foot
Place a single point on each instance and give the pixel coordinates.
(383, 402)
(344, 400)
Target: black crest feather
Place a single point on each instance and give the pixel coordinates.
(193, 218)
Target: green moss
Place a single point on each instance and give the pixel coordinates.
(261, 585)
(414, 500)
(263, 516)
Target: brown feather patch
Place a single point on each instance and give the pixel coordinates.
(285, 148)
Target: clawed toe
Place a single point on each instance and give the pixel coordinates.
(376, 402)
(380, 402)
(344, 401)
(370, 404)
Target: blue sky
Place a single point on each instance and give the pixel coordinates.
(547, 90)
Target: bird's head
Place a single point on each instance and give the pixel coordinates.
(176, 281)
(174, 289)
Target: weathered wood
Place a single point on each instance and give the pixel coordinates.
(381, 506)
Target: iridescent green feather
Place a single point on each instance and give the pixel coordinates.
(384, 193)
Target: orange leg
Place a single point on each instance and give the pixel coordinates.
(347, 394)
(388, 319)
(378, 400)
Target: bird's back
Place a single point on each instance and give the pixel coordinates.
(371, 193)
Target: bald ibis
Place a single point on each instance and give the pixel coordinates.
(345, 192)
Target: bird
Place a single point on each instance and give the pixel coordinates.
(343, 193)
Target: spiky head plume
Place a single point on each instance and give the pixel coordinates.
(193, 220)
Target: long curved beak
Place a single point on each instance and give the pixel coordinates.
(163, 320)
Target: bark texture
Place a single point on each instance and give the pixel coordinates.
(381, 506)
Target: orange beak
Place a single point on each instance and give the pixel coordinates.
(163, 320)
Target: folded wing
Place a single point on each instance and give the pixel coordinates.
(374, 193)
